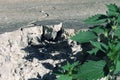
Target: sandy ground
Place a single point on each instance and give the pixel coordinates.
(17, 13)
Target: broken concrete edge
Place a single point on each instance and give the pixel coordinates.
(33, 34)
(36, 35)
(13, 43)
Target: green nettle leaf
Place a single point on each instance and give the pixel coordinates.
(117, 47)
(91, 70)
(98, 45)
(66, 67)
(111, 55)
(112, 7)
(97, 19)
(118, 19)
(104, 46)
(64, 77)
(117, 32)
(70, 66)
(117, 67)
(111, 14)
(93, 51)
(98, 29)
(114, 52)
(83, 37)
(74, 64)
(113, 10)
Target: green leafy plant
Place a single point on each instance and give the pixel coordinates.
(91, 70)
(104, 38)
(67, 71)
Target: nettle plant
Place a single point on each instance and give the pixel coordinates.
(104, 38)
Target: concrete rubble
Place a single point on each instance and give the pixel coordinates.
(26, 53)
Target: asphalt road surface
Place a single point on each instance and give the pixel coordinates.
(18, 13)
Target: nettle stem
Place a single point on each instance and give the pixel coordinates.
(107, 78)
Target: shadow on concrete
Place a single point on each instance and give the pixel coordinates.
(55, 51)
